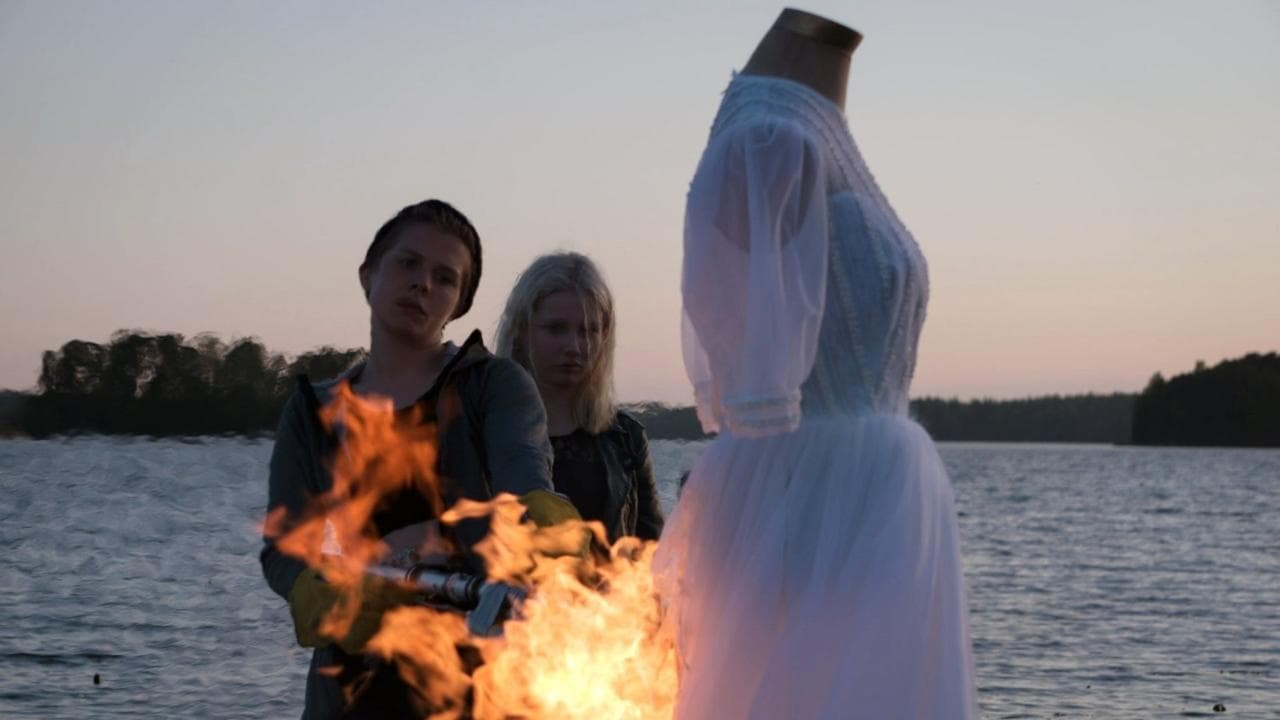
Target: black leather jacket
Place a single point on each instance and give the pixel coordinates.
(632, 507)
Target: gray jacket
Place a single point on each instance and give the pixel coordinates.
(492, 438)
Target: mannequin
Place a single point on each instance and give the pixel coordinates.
(808, 49)
(812, 565)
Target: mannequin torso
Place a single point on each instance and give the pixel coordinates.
(807, 49)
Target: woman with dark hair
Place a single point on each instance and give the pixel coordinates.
(419, 273)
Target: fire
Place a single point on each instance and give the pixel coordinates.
(590, 640)
(584, 650)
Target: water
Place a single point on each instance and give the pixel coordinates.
(1104, 582)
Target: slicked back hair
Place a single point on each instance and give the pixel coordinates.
(443, 217)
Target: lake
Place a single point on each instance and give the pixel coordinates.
(1103, 581)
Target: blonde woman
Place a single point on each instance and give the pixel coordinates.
(559, 325)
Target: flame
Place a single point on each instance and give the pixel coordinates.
(581, 649)
(427, 647)
(590, 640)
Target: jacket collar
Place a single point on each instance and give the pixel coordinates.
(470, 352)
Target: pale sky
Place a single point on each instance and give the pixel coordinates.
(1094, 183)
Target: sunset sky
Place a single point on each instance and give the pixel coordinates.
(1096, 184)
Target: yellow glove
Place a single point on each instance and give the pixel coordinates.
(312, 599)
(546, 508)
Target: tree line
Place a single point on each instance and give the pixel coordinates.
(1079, 419)
(1072, 418)
(146, 384)
(165, 384)
(1233, 403)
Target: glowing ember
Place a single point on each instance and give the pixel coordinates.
(589, 642)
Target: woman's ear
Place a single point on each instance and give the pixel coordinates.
(364, 280)
(464, 282)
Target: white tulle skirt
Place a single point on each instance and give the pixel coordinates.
(817, 575)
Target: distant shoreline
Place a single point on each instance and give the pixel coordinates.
(166, 385)
(664, 422)
(270, 436)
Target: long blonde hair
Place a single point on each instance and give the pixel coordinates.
(594, 409)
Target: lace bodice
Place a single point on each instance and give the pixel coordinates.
(804, 293)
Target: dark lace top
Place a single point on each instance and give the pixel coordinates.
(579, 473)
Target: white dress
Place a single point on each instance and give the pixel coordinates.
(812, 564)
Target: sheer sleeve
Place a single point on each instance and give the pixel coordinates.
(754, 279)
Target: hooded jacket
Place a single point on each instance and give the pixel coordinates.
(491, 438)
